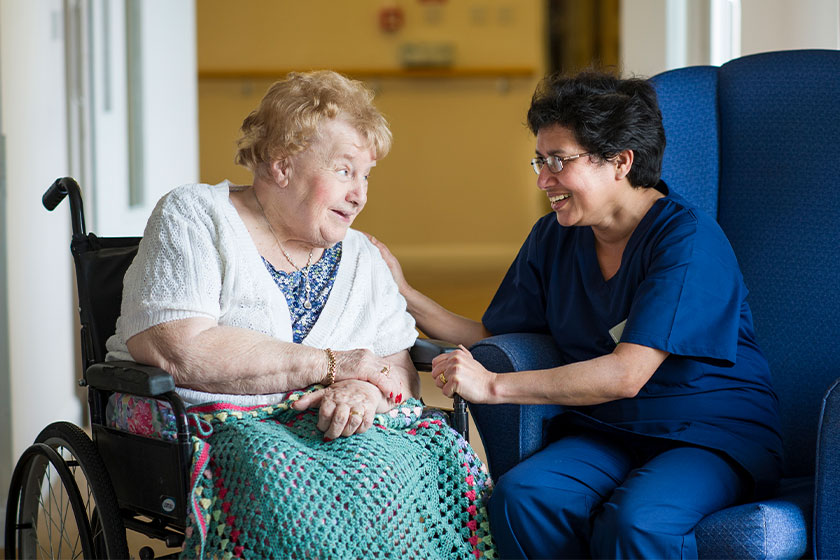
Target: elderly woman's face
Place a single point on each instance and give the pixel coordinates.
(584, 192)
(328, 185)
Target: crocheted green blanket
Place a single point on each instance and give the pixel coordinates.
(266, 485)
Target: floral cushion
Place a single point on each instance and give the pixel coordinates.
(142, 416)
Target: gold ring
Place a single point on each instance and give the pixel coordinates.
(443, 378)
(356, 412)
(386, 370)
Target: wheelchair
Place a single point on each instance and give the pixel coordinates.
(75, 496)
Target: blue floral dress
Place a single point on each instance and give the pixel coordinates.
(293, 285)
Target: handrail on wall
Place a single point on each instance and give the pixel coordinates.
(362, 73)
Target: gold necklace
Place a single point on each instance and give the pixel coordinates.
(307, 304)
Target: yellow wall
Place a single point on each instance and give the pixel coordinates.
(455, 197)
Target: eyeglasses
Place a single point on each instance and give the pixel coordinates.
(555, 163)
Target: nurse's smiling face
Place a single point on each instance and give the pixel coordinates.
(585, 192)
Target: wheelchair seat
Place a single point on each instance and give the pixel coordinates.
(72, 495)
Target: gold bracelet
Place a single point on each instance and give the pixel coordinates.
(330, 379)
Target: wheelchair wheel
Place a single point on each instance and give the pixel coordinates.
(61, 503)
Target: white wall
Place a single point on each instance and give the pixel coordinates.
(38, 376)
(5, 380)
(765, 25)
(165, 94)
(769, 25)
(642, 37)
(38, 260)
(41, 356)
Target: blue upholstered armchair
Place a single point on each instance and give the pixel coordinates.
(756, 143)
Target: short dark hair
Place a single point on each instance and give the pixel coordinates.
(607, 115)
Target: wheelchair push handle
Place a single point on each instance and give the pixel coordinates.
(67, 186)
(422, 354)
(460, 416)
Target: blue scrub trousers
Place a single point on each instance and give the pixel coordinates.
(594, 495)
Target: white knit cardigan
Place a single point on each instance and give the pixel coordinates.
(197, 259)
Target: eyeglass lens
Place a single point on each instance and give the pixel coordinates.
(555, 164)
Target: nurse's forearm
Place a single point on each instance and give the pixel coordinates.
(619, 375)
(440, 323)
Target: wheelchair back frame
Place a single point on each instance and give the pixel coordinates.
(134, 463)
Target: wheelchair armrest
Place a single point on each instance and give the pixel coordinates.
(427, 349)
(511, 432)
(129, 377)
(827, 487)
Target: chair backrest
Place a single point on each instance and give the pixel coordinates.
(101, 263)
(688, 100)
(759, 137)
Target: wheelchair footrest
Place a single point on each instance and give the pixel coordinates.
(171, 537)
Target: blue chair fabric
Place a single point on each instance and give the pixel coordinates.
(522, 431)
(742, 531)
(753, 142)
(827, 477)
(688, 101)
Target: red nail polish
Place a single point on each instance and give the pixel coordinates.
(398, 400)
(391, 396)
(326, 439)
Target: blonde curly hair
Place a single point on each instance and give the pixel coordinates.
(290, 114)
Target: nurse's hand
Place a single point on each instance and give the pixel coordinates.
(458, 372)
(393, 264)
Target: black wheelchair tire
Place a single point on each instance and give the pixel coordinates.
(95, 508)
(26, 523)
(106, 521)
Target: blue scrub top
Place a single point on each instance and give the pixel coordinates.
(679, 289)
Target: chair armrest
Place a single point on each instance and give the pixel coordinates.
(511, 433)
(827, 483)
(129, 377)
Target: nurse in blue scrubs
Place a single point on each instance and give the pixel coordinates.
(670, 413)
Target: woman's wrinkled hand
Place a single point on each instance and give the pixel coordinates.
(364, 365)
(344, 408)
(392, 262)
(458, 372)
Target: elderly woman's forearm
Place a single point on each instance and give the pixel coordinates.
(227, 359)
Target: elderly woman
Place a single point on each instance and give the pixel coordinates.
(285, 331)
(670, 414)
